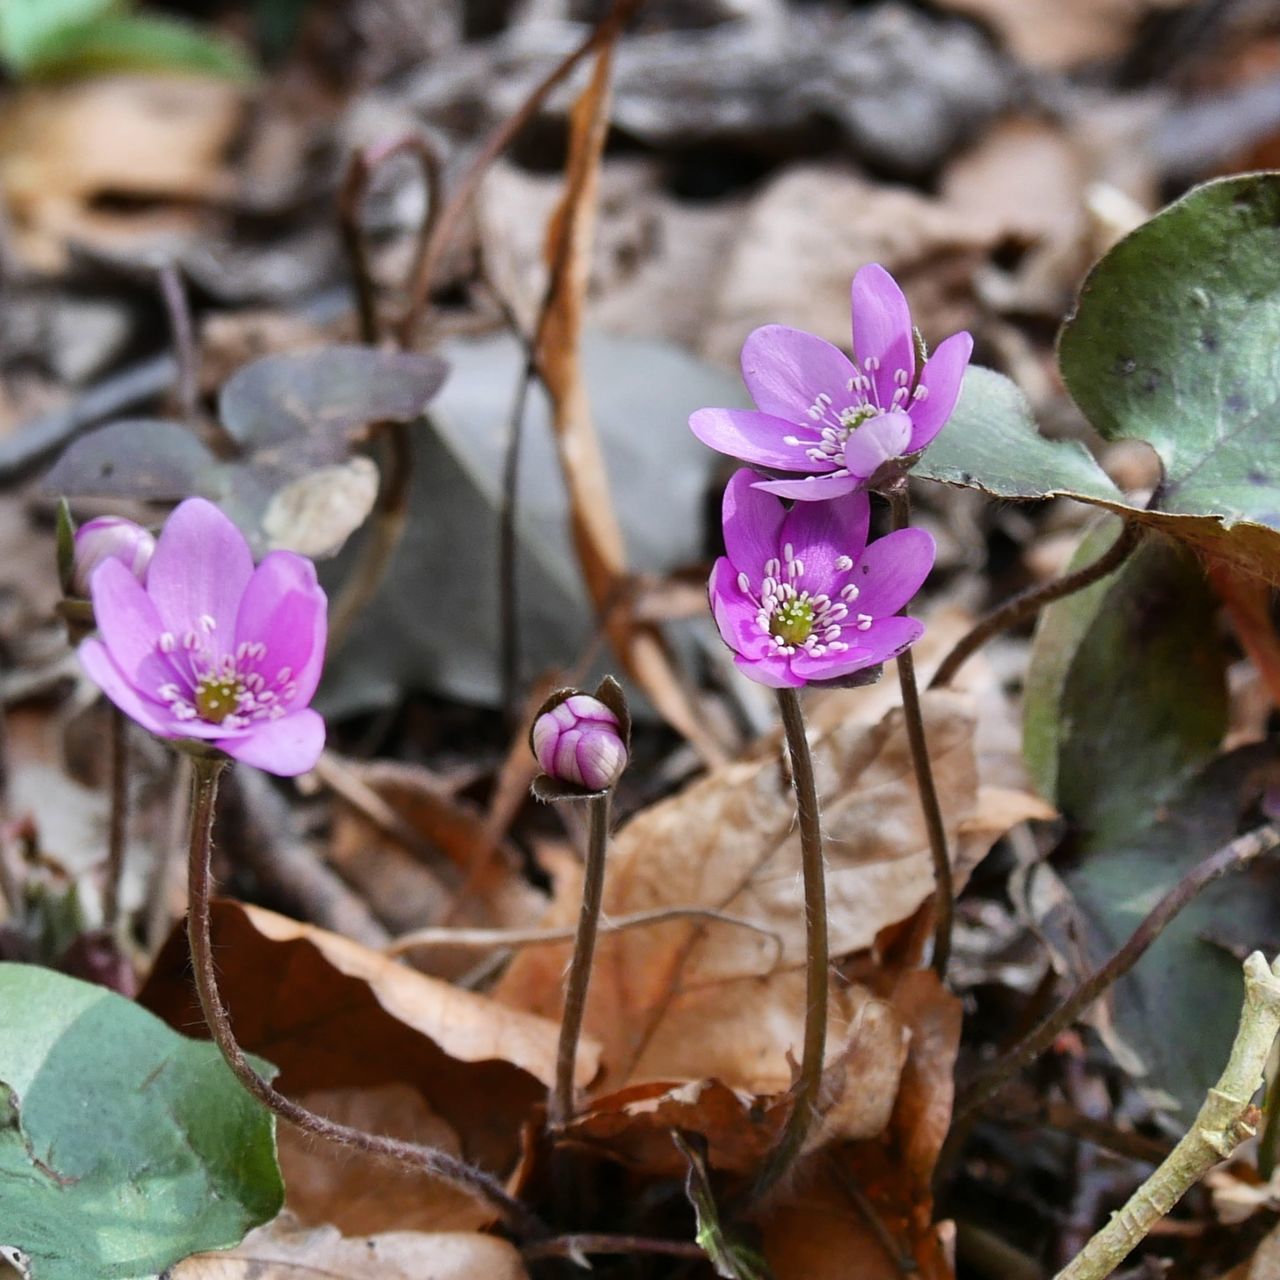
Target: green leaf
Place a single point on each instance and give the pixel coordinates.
(141, 42)
(1176, 341)
(124, 1147)
(992, 443)
(26, 26)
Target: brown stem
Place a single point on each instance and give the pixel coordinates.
(944, 882)
(577, 1246)
(118, 830)
(428, 1160)
(497, 142)
(355, 185)
(805, 1108)
(1241, 851)
(177, 305)
(1028, 603)
(560, 1111)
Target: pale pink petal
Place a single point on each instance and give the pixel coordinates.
(285, 609)
(751, 523)
(127, 619)
(102, 670)
(757, 438)
(891, 570)
(882, 329)
(819, 533)
(200, 569)
(286, 747)
(942, 376)
(735, 612)
(810, 488)
(774, 672)
(786, 369)
(876, 442)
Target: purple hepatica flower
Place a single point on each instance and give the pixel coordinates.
(211, 648)
(801, 597)
(834, 420)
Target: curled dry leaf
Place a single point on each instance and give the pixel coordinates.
(283, 1250)
(332, 1014)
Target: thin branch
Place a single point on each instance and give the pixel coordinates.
(1226, 1119)
(355, 186)
(943, 879)
(579, 1246)
(429, 1160)
(1028, 603)
(177, 305)
(117, 832)
(804, 1108)
(483, 939)
(497, 142)
(1241, 851)
(561, 1106)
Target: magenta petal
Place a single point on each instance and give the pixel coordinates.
(883, 641)
(875, 443)
(775, 672)
(286, 747)
(890, 636)
(891, 570)
(102, 670)
(200, 569)
(285, 609)
(882, 329)
(831, 666)
(735, 612)
(821, 532)
(756, 438)
(785, 369)
(751, 523)
(810, 488)
(126, 617)
(943, 375)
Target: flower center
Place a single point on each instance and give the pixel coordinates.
(217, 696)
(855, 415)
(792, 621)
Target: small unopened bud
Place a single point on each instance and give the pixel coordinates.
(580, 741)
(109, 538)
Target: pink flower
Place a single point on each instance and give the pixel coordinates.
(212, 648)
(580, 741)
(801, 597)
(109, 538)
(834, 421)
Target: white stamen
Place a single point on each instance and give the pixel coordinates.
(167, 642)
(864, 622)
(207, 624)
(744, 583)
(844, 563)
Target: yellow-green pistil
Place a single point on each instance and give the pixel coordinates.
(217, 697)
(792, 622)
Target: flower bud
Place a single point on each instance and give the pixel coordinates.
(580, 741)
(109, 538)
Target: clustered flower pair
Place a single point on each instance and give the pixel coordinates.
(800, 596)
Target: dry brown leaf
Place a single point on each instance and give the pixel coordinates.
(282, 1250)
(331, 1014)
(151, 137)
(687, 1001)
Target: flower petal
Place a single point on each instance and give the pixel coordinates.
(103, 671)
(882, 329)
(821, 532)
(127, 619)
(735, 612)
(875, 443)
(785, 369)
(284, 608)
(286, 747)
(200, 569)
(757, 438)
(883, 640)
(810, 488)
(752, 521)
(891, 571)
(775, 672)
(943, 375)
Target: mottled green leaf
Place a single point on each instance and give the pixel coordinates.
(124, 1147)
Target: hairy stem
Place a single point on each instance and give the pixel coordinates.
(118, 830)
(805, 1109)
(1026, 604)
(1226, 1119)
(944, 882)
(584, 946)
(428, 1160)
(1238, 853)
